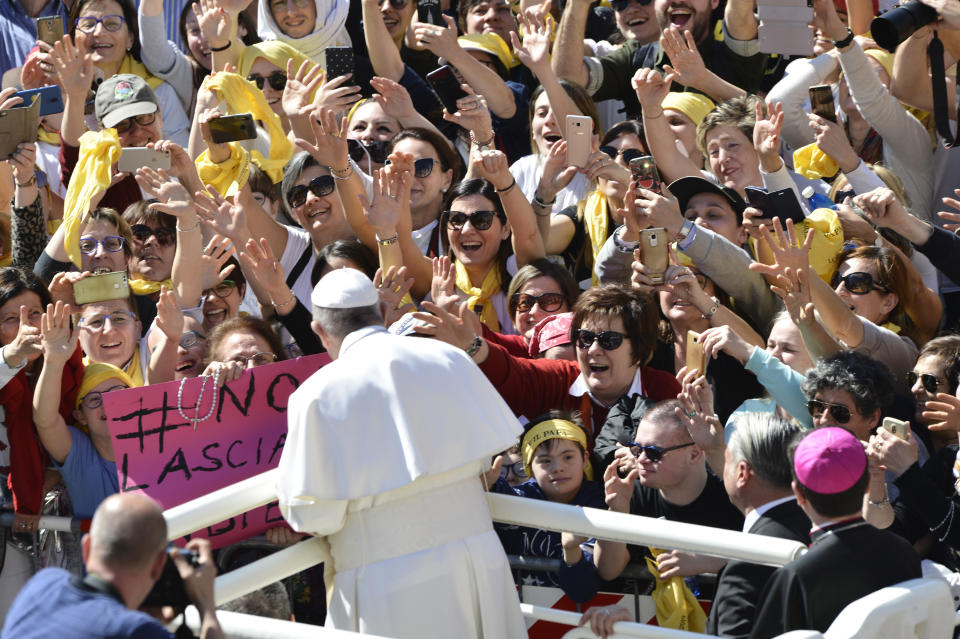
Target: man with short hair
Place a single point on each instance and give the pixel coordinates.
(756, 475)
(848, 558)
(124, 554)
(384, 453)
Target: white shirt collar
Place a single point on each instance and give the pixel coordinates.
(358, 335)
(579, 387)
(756, 513)
(421, 236)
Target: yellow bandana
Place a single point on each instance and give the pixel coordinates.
(553, 429)
(99, 150)
(482, 295)
(95, 374)
(229, 176)
(812, 163)
(131, 371)
(693, 105)
(50, 137)
(148, 287)
(596, 219)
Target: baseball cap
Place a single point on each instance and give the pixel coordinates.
(686, 187)
(123, 96)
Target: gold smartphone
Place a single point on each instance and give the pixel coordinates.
(696, 358)
(653, 242)
(50, 29)
(99, 288)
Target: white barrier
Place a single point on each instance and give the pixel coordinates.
(240, 626)
(919, 609)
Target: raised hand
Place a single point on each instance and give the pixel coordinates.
(724, 339)
(26, 345)
(617, 490)
(884, 209)
(440, 41)
(393, 98)
(23, 160)
(336, 94)
(7, 101)
(330, 145)
(391, 287)
(833, 140)
(793, 287)
(174, 199)
(472, 114)
(181, 166)
(263, 267)
(218, 250)
(651, 88)
(952, 218)
(169, 315)
(443, 285)
(391, 194)
(492, 165)
(215, 22)
(74, 65)
(943, 414)
(696, 411)
(58, 341)
(556, 174)
(456, 328)
(222, 216)
(785, 249)
(300, 86)
(687, 64)
(534, 52)
(766, 135)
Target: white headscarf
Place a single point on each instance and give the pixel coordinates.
(329, 31)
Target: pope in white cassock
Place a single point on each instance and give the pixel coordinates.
(384, 451)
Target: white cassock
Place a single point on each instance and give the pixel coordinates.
(383, 454)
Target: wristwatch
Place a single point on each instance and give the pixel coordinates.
(685, 230)
(840, 44)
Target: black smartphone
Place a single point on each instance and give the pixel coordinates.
(428, 11)
(229, 128)
(50, 29)
(338, 61)
(447, 87)
(821, 102)
(782, 204)
(644, 172)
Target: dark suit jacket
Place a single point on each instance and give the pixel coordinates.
(844, 564)
(740, 583)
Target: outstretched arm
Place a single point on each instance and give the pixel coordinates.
(59, 343)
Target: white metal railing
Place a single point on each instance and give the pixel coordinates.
(240, 626)
(47, 522)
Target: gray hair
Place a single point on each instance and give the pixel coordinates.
(763, 441)
(340, 322)
(271, 601)
(868, 381)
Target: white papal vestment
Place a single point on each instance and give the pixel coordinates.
(383, 454)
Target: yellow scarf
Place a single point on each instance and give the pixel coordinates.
(50, 137)
(242, 96)
(228, 176)
(99, 150)
(130, 65)
(482, 295)
(148, 287)
(596, 220)
(132, 370)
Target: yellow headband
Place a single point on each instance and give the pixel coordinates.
(552, 429)
(274, 52)
(97, 373)
(885, 58)
(356, 105)
(693, 105)
(488, 43)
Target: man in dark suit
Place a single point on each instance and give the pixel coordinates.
(848, 558)
(756, 474)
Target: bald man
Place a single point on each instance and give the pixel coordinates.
(124, 555)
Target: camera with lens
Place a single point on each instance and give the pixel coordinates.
(169, 589)
(896, 25)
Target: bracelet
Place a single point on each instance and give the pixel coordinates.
(542, 204)
(334, 172)
(845, 42)
(513, 183)
(388, 241)
(293, 298)
(881, 503)
(474, 139)
(223, 48)
(474, 347)
(196, 224)
(654, 117)
(713, 309)
(30, 182)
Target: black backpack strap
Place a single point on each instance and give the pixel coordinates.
(297, 269)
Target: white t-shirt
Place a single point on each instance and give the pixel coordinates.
(298, 242)
(527, 170)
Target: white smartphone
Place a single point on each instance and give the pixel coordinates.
(895, 427)
(579, 136)
(134, 157)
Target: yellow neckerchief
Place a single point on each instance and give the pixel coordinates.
(228, 176)
(596, 220)
(242, 96)
(130, 65)
(890, 326)
(482, 295)
(50, 137)
(132, 369)
(553, 429)
(99, 150)
(148, 287)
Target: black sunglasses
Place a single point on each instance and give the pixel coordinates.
(930, 382)
(628, 154)
(480, 220)
(142, 233)
(277, 80)
(816, 408)
(858, 283)
(320, 186)
(653, 453)
(421, 168)
(620, 5)
(548, 302)
(608, 340)
(378, 151)
(396, 4)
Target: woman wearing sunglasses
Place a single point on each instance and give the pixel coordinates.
(154, 244)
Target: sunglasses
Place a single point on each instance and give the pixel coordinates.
(930, 382)
(320, 186)
(620, 5)
(608, 340)
(480, 220)
(653, 453)
(277, 80)
(94, 400)
(628, 154)
(421, 168)
(378, 151)
(858, 283)
(111, 244)
(88, 24)
(816, 408)
(141, 233)
(399, 5)
(221, 290)
(548, 302)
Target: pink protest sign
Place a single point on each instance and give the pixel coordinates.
(160, 453)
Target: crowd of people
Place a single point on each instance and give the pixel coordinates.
(699, 293)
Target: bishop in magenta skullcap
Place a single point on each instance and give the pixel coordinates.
(829, 460)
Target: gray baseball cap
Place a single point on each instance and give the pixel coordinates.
(123, 96)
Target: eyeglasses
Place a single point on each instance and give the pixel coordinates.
(517, 468)
(94, 400)
(320, 186)
(141, 120)
(111, 244)
(930, 382)
(816, 408)
(548, 302)
(118, 319)
(223, 289)
(277, 80)
(421, 168)
(88, 24)
(858, 283)
(628, 154)
(164, 236)
(281, 5)
(480, 220)
(260, 359)
(620, 5)
(608, 340)
(190, 339)
(378, 150)
(399, 5)
(653, 453)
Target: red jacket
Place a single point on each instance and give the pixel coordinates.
(531, 387)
